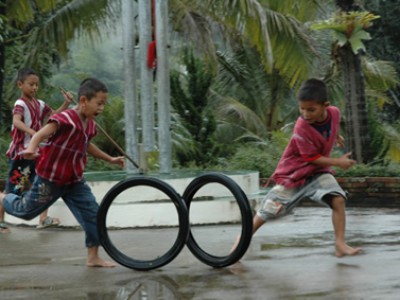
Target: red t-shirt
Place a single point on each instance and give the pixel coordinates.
(63, 157)
(306, 145)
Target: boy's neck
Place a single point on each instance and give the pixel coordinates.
(81, 115)
(26, 97)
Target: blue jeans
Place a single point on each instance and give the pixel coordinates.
(43, 193)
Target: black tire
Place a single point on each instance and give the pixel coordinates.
(246, 213)
(183, 230)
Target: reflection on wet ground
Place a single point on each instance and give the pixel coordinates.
(292, 258)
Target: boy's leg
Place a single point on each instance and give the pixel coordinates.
(82, 203)
(339, 226)
(41, 195)
(270, 209)
(257, 223)
(18, 175)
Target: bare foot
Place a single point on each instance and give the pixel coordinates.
(344, 250)
(94, 260)
(237, 268)
(100, 263)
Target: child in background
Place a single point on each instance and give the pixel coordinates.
(61, 163)
(29, 114)
(304, 168)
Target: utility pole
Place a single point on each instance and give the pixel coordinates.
(163, 87)
(146, 37)
(128, 36)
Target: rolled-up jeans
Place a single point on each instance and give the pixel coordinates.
(43, 193)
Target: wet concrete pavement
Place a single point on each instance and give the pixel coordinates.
(292, 258)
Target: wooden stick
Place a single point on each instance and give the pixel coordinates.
(106, 134)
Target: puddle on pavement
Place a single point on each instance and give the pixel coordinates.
(162, 287)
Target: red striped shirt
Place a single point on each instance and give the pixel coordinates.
(63, 157)
(33, 114)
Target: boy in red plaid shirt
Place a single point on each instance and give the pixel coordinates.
(61, 163)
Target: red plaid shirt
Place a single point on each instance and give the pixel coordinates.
(33, 115)
(63, 157)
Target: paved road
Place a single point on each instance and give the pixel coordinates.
(288, 259)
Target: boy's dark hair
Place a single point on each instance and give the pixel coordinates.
(24, 73)
(90, 87)
(314, 90)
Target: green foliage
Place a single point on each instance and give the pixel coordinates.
(94, 164)
(189, 98)
(349, 27)
(385, 46)
(103, 62)
(112, 122)
(364, 170)
(262, 157)
(5, 140)
(379, 143)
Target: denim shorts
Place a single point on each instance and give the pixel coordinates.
(319, 189)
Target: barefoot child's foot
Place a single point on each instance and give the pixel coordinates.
(100, 263)
(345, 250)
(94, 259)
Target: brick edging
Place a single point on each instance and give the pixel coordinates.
(372, 191)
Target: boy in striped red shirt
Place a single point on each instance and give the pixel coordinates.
(61, 163)
(29, 113)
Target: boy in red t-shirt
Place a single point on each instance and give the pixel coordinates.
(61, 163)
(304, 170)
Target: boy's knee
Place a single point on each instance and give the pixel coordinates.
(338, 201)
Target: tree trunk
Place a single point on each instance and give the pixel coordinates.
(357, 128)
(358, 138)
(128, 33)
(163, 84)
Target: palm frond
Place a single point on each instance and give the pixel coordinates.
(188, 19)
(380, 75)
(75, 18)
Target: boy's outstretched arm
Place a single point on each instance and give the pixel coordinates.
(98, 153)
(344, 162)
(20, 125)
(43, 134)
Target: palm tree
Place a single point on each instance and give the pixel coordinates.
(266, 54)
(357, 127)
(349, 25)
(38, 27)
(270, 26)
